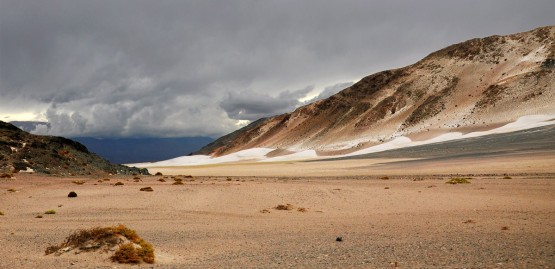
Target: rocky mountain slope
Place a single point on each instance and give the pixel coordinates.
(478, 84)
(21, 151)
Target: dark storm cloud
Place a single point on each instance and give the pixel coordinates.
(251, 105)
(177, 68)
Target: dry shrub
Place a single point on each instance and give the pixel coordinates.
(302, 209)
(12, 190)
(106, 179)
(284, 207)
(158, 174)
(6, 175)
(50, 212)
(178, 183)
(126, 254)
(78, 182)
(134, 251)
(146, 189)
(119, 183)
(162, 180)
(1, 213)
(146, 251)
(507, 177)
(38, 217)
(504, 228)
(458, 180)
(384, 178)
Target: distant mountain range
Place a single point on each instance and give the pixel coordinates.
(478, 84)
(136, 150)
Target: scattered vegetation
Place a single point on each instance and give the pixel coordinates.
(72, 194)
(119, 183)
(106, 179)
(1, 213)
(136, 178)
(384, 178)
(50, 212)
(284, 207)
(504, 228)
(78, 182)
(178, 183)
(132, 248)
(469, 221)
(507, 177)
(162, 180)
(38, 217)
(228, 179)
(158, 174)
(146, 189)
(386, 188)
(264, 211)
(12, 190)
(459, 180)
(302, 209)
(4, 175)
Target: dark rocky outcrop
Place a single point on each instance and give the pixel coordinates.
(22, 151)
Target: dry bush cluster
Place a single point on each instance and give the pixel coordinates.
(459, 180)
(284, 207)
(133, 249)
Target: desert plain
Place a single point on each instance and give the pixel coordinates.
(388, 214)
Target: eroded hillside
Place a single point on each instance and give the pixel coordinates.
(477, 84)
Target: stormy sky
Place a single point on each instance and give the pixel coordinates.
(188, 68)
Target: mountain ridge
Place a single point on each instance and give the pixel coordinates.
(476, 84)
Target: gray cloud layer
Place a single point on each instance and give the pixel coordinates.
(184, 68)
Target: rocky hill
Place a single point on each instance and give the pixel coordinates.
(478, 84)
(21, 151)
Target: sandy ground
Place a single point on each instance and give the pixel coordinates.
(416, 221)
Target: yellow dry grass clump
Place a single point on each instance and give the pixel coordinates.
(132, 250)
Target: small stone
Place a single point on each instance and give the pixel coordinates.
(339, 239)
